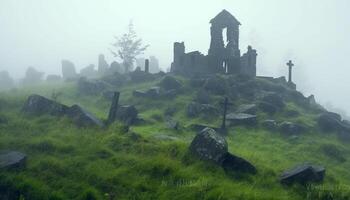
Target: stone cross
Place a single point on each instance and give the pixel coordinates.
(225, 104)
(147, 66)
(290, 65)
(114, 108)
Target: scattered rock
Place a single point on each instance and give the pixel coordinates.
(127, 114)
(12, 160)
(267, 108)
(195, 109)
(303, 174)
(208, 145)
(215, 85)
(241, 119)
(83, 118)
(247, 109)
(171, 123)
(290, 128)
(330, 121)
(39, 105)
(166, 137)
(202, 97)
(232, 163)
(89, 87)
(270, 125)
(170, 83)
(274, 99)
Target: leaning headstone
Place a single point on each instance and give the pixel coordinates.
(68, 70)
(112, 116)
(12, 160)
(83, 118)
(39, 105)
(303, 174)
(208, 145)
(147, 66)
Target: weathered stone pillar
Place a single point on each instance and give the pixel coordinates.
(114, 108)
(147, 66)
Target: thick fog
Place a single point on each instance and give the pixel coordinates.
(313, 33)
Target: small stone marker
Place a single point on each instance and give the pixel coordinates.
(114, 108)
(226, 104)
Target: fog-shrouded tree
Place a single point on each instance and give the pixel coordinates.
(128, 47)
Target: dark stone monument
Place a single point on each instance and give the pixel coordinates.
(102, 64)
(290, 82)
(147, 66)
(68, 70)
(114, 108)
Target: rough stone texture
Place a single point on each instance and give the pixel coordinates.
(83, 118)
(267, 108)
(215, 85)
(270, 125)
(241, 119)
(171, 123)
(68, 70)
(232, 163)
(208, 145)
(12, 160)
(90, 87)
(247, 109)
(39, 105)
(274, 99)
(195, 109)
(303, 174)
(290, 128)
(170, 83)
(127, 114)
(330, 121)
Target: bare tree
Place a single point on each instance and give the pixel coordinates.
(128, 46)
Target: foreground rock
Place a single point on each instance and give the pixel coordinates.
(303, 174)
(330, 122)
(12, 160)
(39, 105)
(232, 163)
(83, 118)
(210, 146)
(241, 119)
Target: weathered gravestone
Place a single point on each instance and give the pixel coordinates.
(83, 118)
(303, 174)
(12, 160)
(68, 70)
(112, 116)
(39, 105)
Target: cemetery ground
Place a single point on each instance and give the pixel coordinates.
(151, 160)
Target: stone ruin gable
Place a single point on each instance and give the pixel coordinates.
(221, 58)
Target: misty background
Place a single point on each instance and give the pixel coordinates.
(313, 33)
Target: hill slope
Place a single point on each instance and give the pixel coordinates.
(150, 160)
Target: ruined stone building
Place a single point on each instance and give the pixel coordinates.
(224, 55)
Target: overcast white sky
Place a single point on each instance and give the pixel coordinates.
(313, 33)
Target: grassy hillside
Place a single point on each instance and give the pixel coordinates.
(67, 162)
